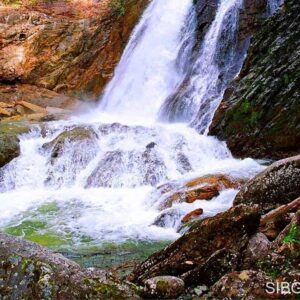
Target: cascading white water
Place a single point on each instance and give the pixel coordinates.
(147, 74)
(101, 185)
(273, 5)
(219, 59)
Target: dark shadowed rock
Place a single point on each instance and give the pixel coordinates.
(259, 115)
(217, 265)
(229, 230)
(278, 184)
(163, 287)
(9, 141)
(29, 271)
(168, 218)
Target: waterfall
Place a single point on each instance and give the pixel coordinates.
(147, 72)
(94, 178)
(218, 61)
(273, 5)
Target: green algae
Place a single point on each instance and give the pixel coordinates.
(41, 226)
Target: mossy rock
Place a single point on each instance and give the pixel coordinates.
(29, 271)
(73, 135)
(9, 141)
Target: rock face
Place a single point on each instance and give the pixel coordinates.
(64, 48)
(259, 115)
(278, 184)
(229, 230)
(9, 141)
(29, 271)
(251, 17)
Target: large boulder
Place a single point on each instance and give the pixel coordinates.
(229, 230)
(259, 115)
(29, 271)
(278, 184)
(9, 141)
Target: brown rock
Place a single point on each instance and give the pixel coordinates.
(217, 265)
(202, 188)
(272, 223)
(70, 49)
(192, 215)
(230, 230)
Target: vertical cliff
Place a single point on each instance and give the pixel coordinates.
(259, 115)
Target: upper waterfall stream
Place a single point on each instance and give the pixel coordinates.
(101, 186)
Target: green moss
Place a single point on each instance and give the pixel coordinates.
(293, 235)
(13, 128)
(270, 269)
(37, 231)
(48, 208)
(245, 106)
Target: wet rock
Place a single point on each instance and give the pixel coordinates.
(247, 284)
(202, 188)
(168, 218)
(260, 117)
(278, 184)
(29, 271)
(192, 215)
(217, 265)
(9, 141)
(230, 230)
(163, 287)
(183, 163)
(118, 168)
(77, 134)
(252, 16)
(66, 156)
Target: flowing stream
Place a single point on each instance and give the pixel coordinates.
(92, 180)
